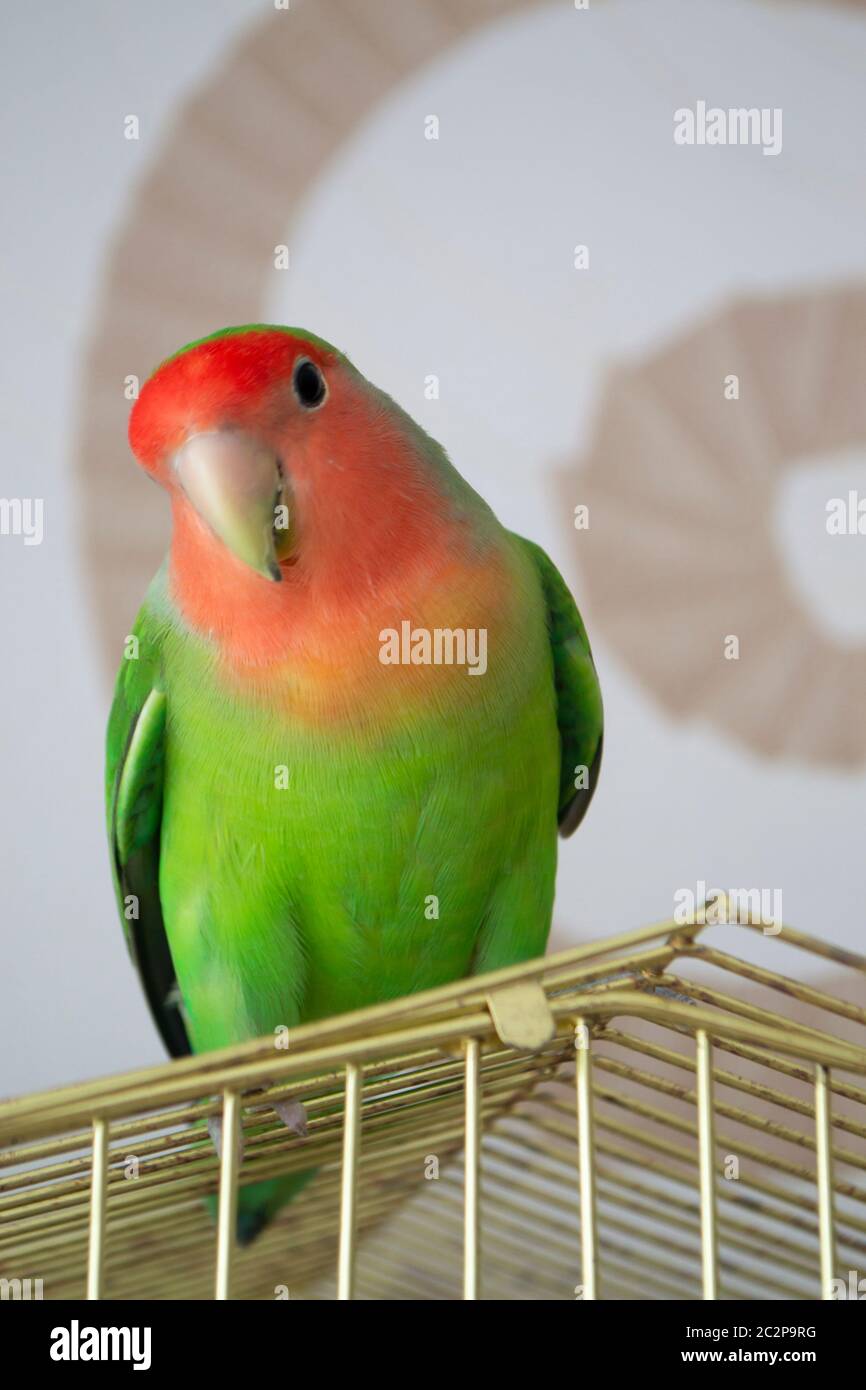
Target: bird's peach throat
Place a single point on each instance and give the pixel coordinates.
(326, 657)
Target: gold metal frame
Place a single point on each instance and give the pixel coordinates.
(554, 1129)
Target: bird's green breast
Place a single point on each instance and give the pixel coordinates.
(310, 869)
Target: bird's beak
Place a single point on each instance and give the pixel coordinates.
(235, 485)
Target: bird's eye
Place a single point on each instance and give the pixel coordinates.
(309, 384)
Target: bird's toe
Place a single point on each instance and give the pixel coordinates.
(293, 1115)
(215, 1130)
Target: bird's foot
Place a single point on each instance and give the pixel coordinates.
(290, 1111)
(215, 1130)
(293, 1116)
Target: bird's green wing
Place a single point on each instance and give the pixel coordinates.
(578, 696)
(135, 761)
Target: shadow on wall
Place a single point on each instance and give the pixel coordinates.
(682, 563)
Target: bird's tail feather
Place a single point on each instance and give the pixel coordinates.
(259, 1202)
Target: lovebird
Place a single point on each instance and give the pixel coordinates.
(352, 717)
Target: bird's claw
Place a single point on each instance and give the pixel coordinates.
(293, 1116)
(215, 1130)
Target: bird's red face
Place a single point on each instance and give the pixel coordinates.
(240, 429)
(284, 464)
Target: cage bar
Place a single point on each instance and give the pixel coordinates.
(227, 1206)
(707, 1162)
(472, 1172)
(98, 1186)
(349, 1188)
(824, 1153)
(586, 1160)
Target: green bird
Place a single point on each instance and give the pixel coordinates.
(356, 712)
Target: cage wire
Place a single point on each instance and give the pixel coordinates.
(647, 1116)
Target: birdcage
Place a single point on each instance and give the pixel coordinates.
(651, 1116)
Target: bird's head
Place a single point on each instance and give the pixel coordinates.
(269, 442)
